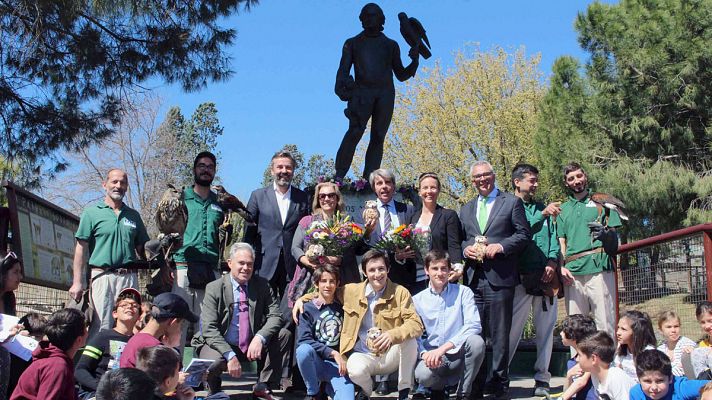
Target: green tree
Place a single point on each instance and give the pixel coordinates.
(69, 67)
(485, 107)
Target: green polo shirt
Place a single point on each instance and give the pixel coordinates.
(544, 244)
(572, 225)
(201, 241)
(112, 238)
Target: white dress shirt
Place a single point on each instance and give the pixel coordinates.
(283, 201)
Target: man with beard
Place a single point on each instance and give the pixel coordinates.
(375, 59)
(197, 259)
(112, 236)
(587, 268)
(275, 211)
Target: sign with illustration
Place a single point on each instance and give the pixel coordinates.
(43, 236)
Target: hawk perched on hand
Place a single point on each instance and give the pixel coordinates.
(610, 202)
(171, 213)
(230, 203)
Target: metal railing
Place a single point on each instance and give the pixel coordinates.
(667, 272)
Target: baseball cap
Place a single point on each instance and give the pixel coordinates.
(132, 292)
(170, 305)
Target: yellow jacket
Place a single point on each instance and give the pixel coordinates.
(394, 313)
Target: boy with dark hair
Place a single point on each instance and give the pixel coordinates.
(657, 382)
(125, 384)
(51, 374)
(167, 314)
(574, 329)
(595, 356)
(318, 333)
(162, 364)
(103, 350)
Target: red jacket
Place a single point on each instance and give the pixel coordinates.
(49, 377)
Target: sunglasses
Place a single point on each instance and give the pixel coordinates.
(10, 255)
(323, 196)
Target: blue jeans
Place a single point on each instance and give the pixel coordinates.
(316, 370)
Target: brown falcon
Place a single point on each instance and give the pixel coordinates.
(230, 203)
(609, 202)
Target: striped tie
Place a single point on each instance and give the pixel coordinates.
(386, 219)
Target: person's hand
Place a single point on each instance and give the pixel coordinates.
(688, 349)
(334, 260)
(167, 275)
(254, 352)
(470, 252)
(297, 309)
(184, 392)
(182, 376)
(383, 342)
(369, 226)
(574, 372)
(402, 254)
(413, 53)
(493, 249)
(549, 272)
(305, 261)
(567, 276)
(553, 209)
(76, 291)
(454, 276)
(433, 358)
(340, 361)
(234, 368)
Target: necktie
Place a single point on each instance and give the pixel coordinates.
(386, 218)
(482, 214)
(243, 337)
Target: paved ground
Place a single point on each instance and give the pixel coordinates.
(520, 388)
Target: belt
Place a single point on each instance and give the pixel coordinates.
(117, 271)
(583, 254)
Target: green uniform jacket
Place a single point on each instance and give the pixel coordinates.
(544, 245)
(201, 240)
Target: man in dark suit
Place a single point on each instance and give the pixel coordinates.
(241, 321)
(275, 212)
(499, 217)
(392, 214)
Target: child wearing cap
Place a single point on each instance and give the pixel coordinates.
(167, 314)
(103, 350)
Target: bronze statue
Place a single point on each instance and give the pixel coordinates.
(375, 59)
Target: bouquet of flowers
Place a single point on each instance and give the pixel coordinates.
(331, 237)
(403, 236)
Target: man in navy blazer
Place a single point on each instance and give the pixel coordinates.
(500, 217)
(275, 212)
(392, 214)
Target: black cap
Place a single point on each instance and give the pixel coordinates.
(170, 305)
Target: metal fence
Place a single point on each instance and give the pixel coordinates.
(667, 272)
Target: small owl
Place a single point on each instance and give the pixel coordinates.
(171, 212)
(371, 335)
(480, 245)
(370, 211)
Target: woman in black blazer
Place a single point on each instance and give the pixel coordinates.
(444, 224)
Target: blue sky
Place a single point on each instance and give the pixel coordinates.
(286, 54)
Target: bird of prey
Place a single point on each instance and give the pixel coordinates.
(171, 216)
(609, 202)
(414, 34)
(230, 203)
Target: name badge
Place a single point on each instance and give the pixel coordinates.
(591, 204)
(216, 207)
(130, 223)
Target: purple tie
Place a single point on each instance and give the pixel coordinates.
(243, 335)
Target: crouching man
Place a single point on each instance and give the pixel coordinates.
(451, 350)
(240, 321)
(381, 304)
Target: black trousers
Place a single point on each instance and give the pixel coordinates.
(495, 305)
(275, 355)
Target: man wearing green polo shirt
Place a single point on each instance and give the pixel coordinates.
(111, 235)
(197, 259)
(588, 269)
(537, 266)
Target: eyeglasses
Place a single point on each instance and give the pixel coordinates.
(323, 196)
(206, 166)
(483, 175)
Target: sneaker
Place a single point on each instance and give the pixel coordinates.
(403, 394)
(419, 395)
(541, 389)
(382, 389)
